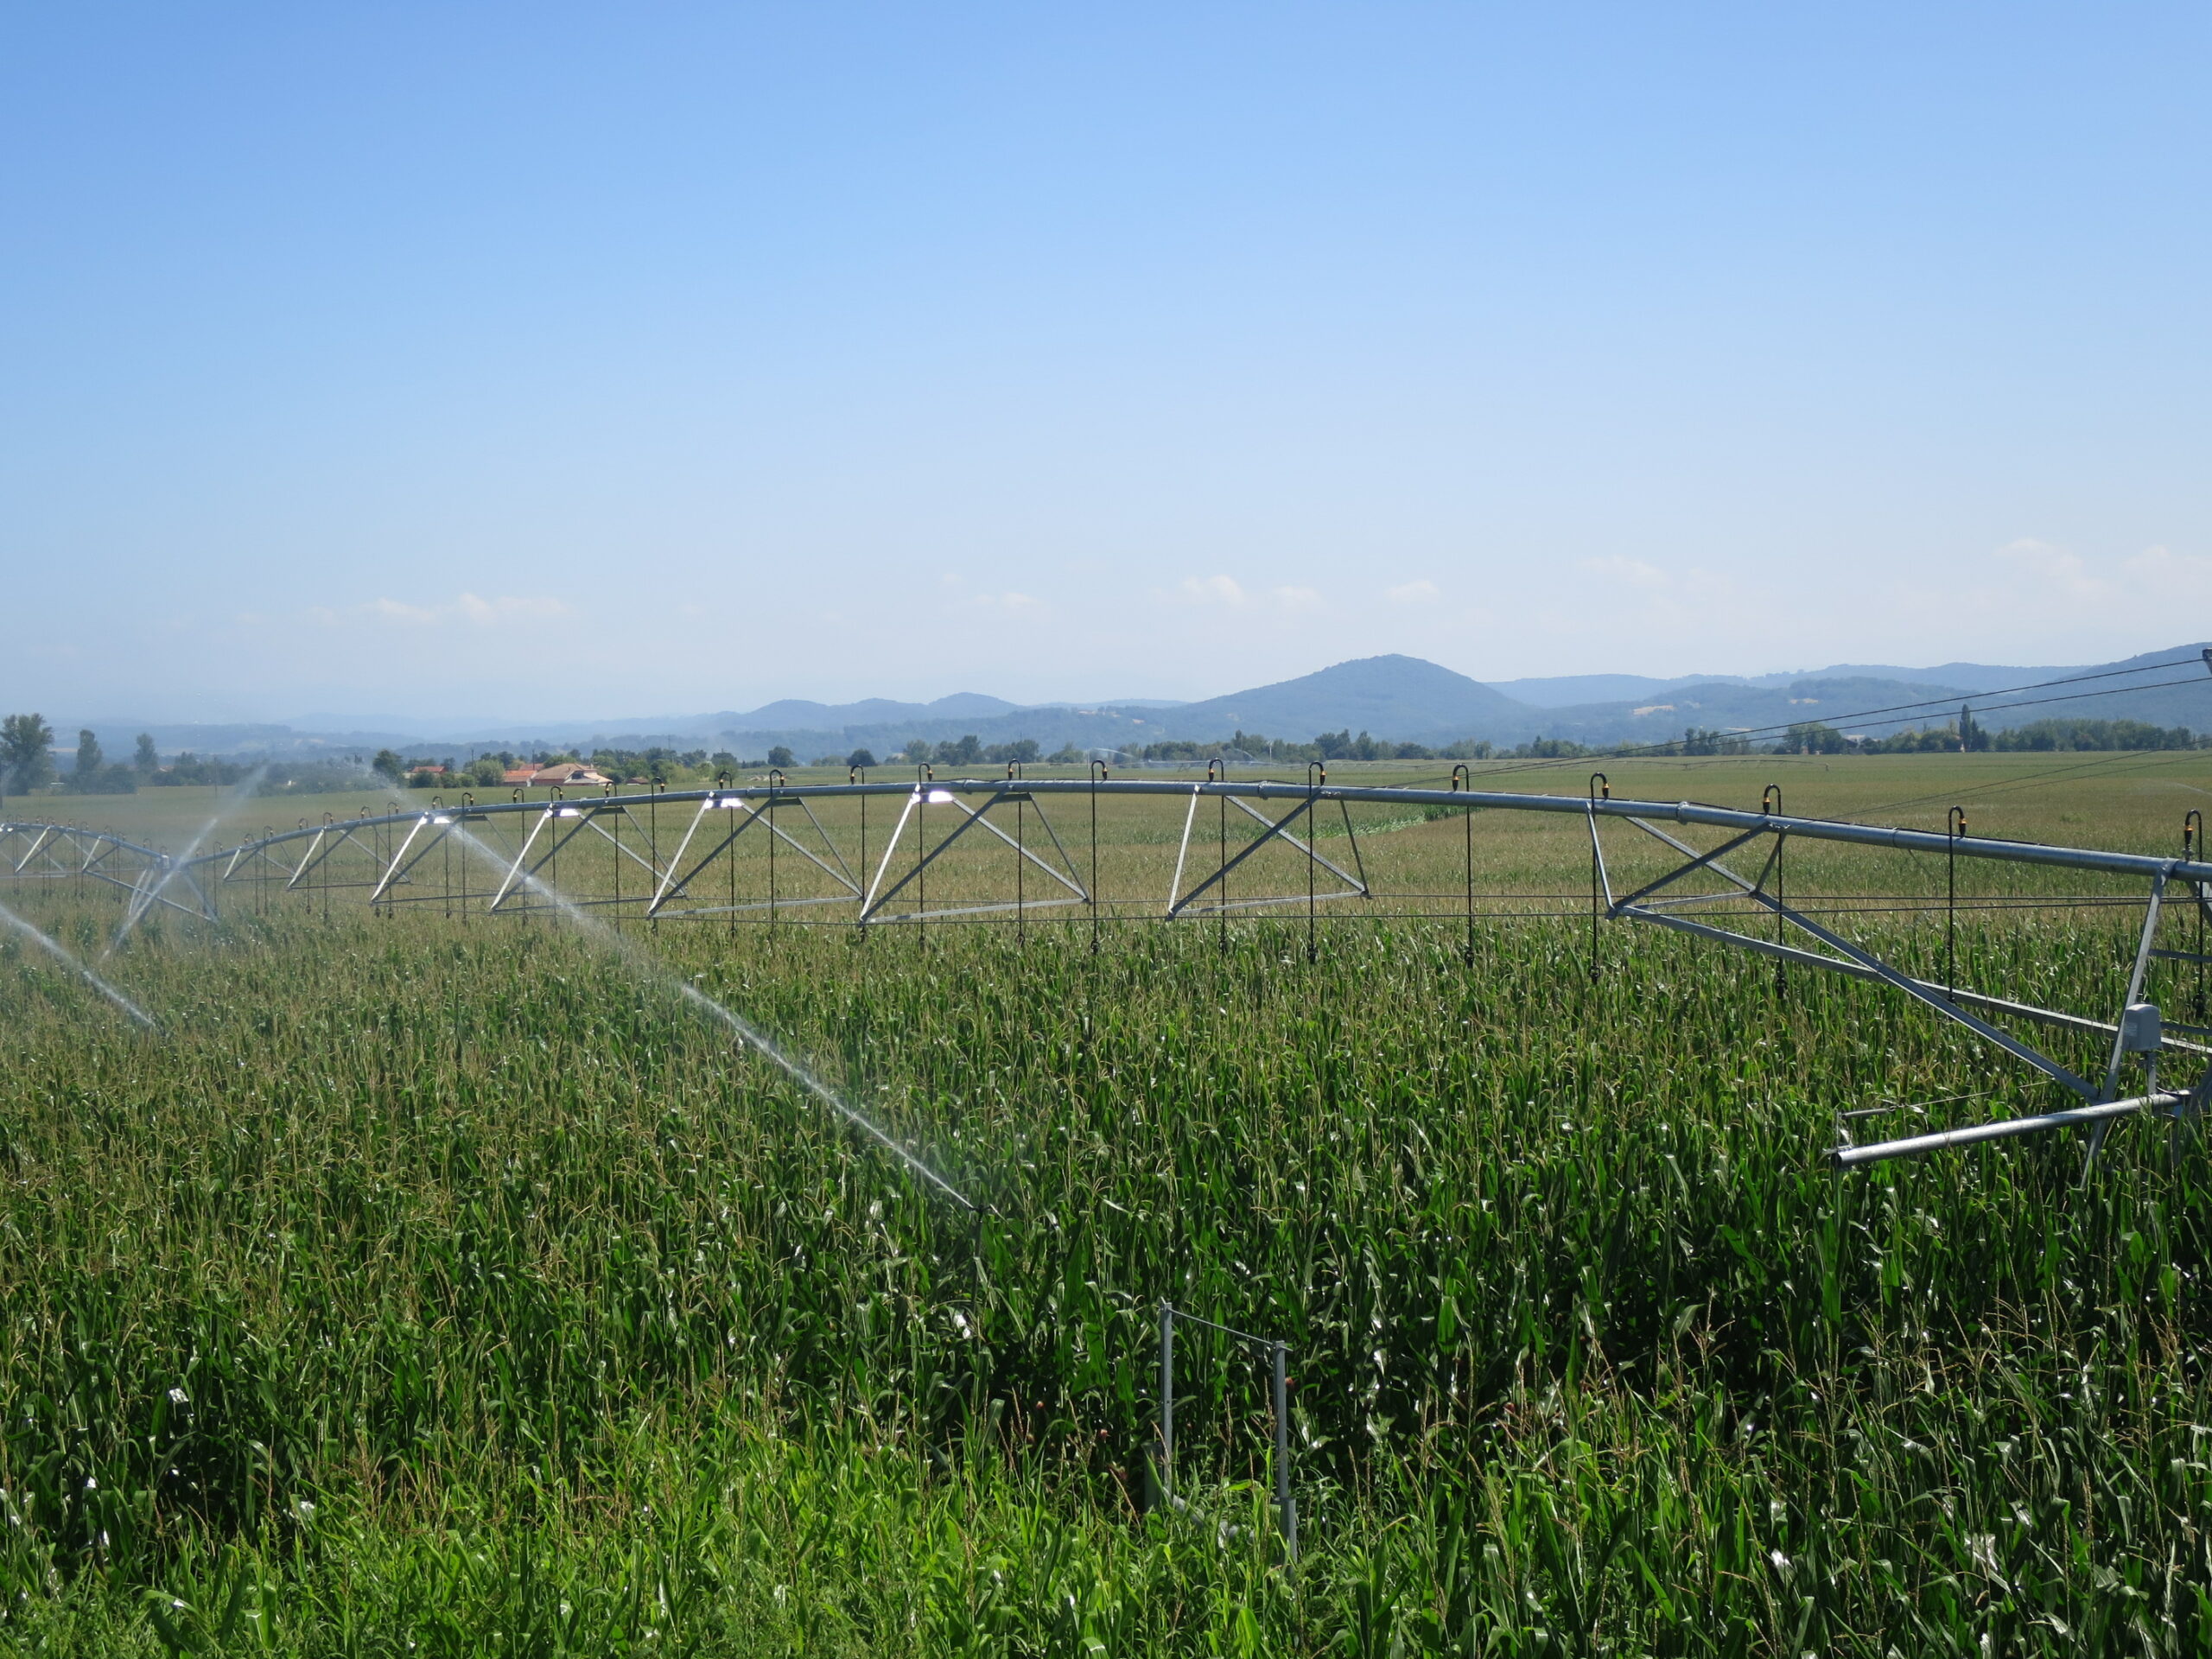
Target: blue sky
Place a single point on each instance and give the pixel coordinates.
(539, 361)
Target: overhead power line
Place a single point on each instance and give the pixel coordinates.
(1898, 714)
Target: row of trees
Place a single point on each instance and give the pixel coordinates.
(674, 767)
(26, 764)
(27, 760)
(1329, 746)
(969, 751)
(1243, 747)
(1968, 735)
(670, 766)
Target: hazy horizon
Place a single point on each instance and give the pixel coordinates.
(441, 726)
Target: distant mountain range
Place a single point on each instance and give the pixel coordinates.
(1401, 698)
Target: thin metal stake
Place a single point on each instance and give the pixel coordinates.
(1461, 775)
(2192, 839)
(1286, 1506)
(1166, 1404)
(1770, 804)
(1601, 788)
(1097, 771)
(1222, 877)
(1312, 836)
(1955, 827)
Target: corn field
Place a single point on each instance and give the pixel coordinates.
(423, 1287)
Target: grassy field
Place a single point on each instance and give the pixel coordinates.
(433, 1286)
(2130, 801)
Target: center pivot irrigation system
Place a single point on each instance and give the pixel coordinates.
(775, 852)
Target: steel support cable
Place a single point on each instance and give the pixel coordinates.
(2113, 758)
(1872, 716)
(1923, 704)
(1751, 733)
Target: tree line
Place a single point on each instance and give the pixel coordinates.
(27, 755)
(26, 765)
(1967, 735)
(27, 761)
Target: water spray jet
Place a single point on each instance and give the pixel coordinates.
(797, 1069)
(145, 900)
(54, 947)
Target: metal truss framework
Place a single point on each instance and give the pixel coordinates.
(1012, 860)
(63, 852)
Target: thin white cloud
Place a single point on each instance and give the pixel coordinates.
(1007, 604)
(2052, 569)
(2169, 576)
(469, 610)
(2047, 585)
(1412, 592)
(390, 610)
(1212, 590)
(1298, 598)
(1632, 573)
(510, 608)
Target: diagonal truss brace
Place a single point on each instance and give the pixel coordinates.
(151, 889)
(401, 863)
(878, 895)
(99, 855)
(1277, 828)
(64, 851)
(338, 833)
(1701, 861)
(587, 815)
(87, 851)
(47, 832)
(247, 852)
(1853, 954)
(673, 886)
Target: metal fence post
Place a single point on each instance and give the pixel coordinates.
(1217, 771)
(1167, 1405)
(1098, 774)
(1463, 779)
(1601, 788)
(2192, 842)
(1286, 1506)
(1771, 805)
(1316, 775)
(1955, 825)
(775, 784)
